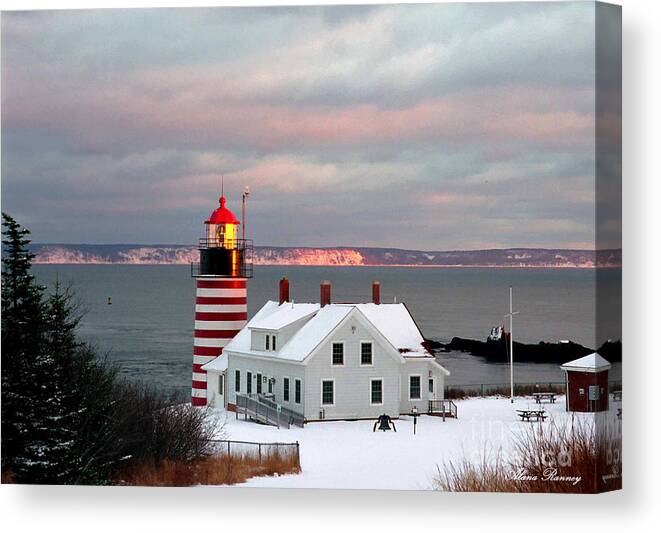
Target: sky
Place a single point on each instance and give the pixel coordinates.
(436, 127)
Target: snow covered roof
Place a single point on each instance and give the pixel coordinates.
(219, 364)
(396, 324)
(241, 341)
(287, 313)
(314, 332)
(590, 363)
(393, 321)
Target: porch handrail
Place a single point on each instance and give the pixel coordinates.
(443, 406)
(267, 411)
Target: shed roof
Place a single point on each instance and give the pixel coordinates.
(589, 363)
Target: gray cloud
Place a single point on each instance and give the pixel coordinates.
(426, 126)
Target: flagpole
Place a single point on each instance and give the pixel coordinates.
(511, 316)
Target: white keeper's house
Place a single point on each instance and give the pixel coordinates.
(328, 360)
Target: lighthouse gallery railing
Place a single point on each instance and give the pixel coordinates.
(244, 248)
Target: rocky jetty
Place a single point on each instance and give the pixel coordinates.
(544, 352)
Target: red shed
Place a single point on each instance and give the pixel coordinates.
(587, 384)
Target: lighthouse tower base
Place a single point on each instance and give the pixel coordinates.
(220, 313)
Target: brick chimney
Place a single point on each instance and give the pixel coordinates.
(376, 292)
(284, 290)
(325, 293)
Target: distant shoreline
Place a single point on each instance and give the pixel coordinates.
(559, 267)
(108, 254)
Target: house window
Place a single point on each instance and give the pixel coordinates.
(366, 353)
(270, 382)
(259, 383)
(414, 387)
(249, 382)
(376, 391)
(221, 384)
(431, 385)
(267, 342)
(285, 389)
(338, 353)
(273, 343)
(237, 381)
(297, 391)
(327, 392)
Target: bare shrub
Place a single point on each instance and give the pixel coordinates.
(144, 426)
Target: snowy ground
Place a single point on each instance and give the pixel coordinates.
(349, 455)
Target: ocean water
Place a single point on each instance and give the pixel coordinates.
(148, 329)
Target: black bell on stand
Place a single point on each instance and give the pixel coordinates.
(384, 422)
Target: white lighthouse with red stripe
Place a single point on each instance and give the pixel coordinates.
(221, 298)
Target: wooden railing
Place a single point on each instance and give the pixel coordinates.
(443, 407)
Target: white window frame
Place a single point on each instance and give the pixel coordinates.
(267, 342)
(409, 387)
(288, 380)
(344, 353)
(249, 376)
(433, 382)
(360, 353)
(321, 396)
(300, 400)
(273, 346)
(372, 380)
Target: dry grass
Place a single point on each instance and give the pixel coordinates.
(569, 459)
(215, 470)
(7, 476)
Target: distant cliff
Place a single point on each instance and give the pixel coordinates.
(167, 254)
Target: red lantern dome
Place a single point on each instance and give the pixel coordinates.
(222, 215)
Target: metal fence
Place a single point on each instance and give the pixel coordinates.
(520, 389)
(259, 450)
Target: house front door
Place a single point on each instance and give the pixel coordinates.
(432, 388)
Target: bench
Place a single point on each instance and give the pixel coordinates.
(530, 415)
(539, 396)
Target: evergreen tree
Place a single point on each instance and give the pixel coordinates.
(52, 451)
(22, 343)
(85, 411)
(66, 419)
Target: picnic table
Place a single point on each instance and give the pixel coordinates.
(539, 396)
(617, 395)
(528, 415)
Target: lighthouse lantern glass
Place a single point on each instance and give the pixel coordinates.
(222, 235)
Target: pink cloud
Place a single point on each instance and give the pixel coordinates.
(189, 116)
